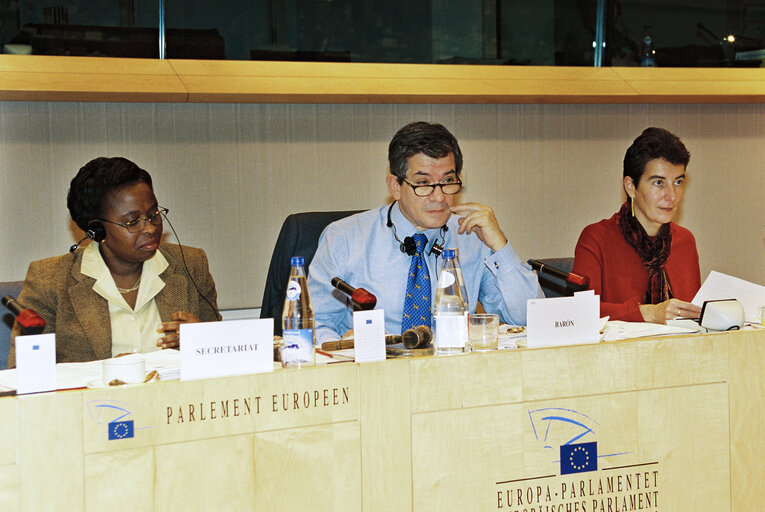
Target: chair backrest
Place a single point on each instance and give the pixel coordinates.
(12, 288)
(299, 236)
(553, 286)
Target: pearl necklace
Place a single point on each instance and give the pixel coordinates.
(132, 288)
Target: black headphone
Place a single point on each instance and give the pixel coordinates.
(96, 231)
(409, 246)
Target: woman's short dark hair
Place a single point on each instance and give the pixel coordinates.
(94, 181)
(653, 143)
(430, 139)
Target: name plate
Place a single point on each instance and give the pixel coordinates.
(559, 321)
(220, 349)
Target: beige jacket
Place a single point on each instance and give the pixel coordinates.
(64, 297)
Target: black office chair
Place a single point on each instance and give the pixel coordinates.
(299, 236)
(12, 288)
(553, 286)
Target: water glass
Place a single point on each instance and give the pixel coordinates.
(483, 331)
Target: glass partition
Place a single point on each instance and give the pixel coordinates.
(701, 33)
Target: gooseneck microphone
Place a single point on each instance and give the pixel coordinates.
(574, 282)
(28, 319)
(361, 299)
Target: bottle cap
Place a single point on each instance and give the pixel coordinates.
(448, 253)
(297, 261)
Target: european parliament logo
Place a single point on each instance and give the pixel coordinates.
(578, 458)
(121, 430)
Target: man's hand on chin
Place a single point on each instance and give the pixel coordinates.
(480, 219)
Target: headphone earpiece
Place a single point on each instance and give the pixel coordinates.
(409, 246)
(436, 249)
(96, 231)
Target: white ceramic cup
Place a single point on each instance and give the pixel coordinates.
(129, 369)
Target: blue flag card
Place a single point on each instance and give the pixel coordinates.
(369, 335)
(36, 363)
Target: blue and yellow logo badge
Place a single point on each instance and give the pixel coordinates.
(578, 458)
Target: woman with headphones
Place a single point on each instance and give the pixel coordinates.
(128, 291)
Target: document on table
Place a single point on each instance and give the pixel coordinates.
(619, 330)
(79, 375)
(721, 286)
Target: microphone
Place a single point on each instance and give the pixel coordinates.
(75, 246)
(574, 282)
(361, 299)
(28, 319)
(416, 337)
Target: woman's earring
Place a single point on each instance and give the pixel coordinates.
(632, 204)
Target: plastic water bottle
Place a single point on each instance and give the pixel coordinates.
(463, 288)
(449, 320)
(297, 319)
(463, 291)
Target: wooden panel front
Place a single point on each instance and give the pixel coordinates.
(676, 422)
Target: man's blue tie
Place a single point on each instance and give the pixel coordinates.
(417, 299)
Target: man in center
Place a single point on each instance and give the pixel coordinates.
(381, 249)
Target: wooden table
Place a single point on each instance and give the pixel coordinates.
(677, 423)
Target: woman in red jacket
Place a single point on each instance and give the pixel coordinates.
(645, 267)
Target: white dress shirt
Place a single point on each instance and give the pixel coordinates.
(133, 329)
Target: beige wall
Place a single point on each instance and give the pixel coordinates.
(230, 173)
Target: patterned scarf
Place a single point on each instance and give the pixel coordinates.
(653, 252)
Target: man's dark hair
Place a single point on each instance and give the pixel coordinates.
(430, 139)
(653, 143)
(94, 181)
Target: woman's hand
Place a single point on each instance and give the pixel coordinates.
(668, 310)
(172, 337)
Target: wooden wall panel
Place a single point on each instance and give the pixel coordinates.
(231, 173)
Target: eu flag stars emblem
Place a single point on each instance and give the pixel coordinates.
(121, 430)
(578, 458)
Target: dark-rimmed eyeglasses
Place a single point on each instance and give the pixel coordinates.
(448, 188)
(138, 225)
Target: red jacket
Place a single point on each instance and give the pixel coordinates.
(617, 274)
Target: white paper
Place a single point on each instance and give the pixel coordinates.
(219, 349)
(36, 363)
(619, 330)
(558, 321)
(721, 286)
(369, 335)
(510, 335)
(77, 375)
(335, 356)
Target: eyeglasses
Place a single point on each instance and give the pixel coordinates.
(138, 225)
(449, 188)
